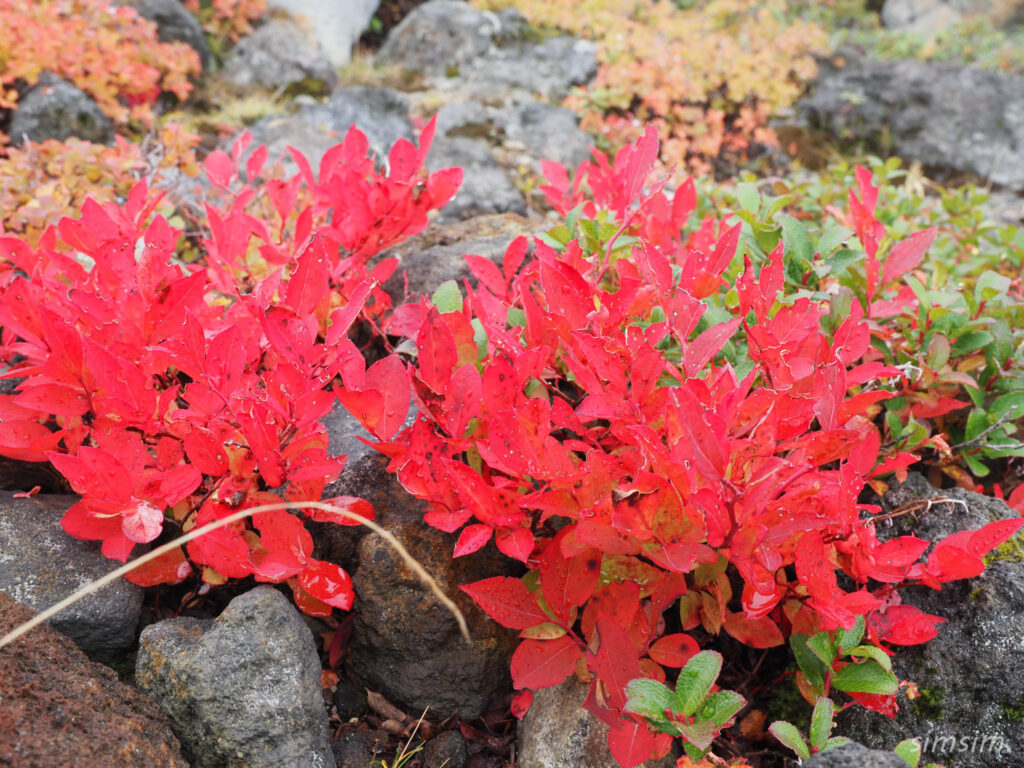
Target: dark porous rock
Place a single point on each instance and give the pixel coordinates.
(970, 676)
(55, 109)
(437, 254)
(366, 476)
(547, 131)
(281, 55)
(350, 751)
(855, 756)
(243, 689)
(950, 118)
(349, 701)
(174, 24)
(557, 732)
(447, 749)
(57, 708)
(405, 643)
(40, 565)
(485, 188)
(439, 38)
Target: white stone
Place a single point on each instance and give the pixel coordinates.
(337, 24)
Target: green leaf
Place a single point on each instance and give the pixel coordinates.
(841, 259)
(832, 238)
(701, 733)
(695, 754)
(847, 639)
(821, 723)
(649, 698)
(836, 741)
(748, 196)
(789, 736)
(872, 652)
(720, 706)
(447, 298)
(798, 244)
(976, 465)
(821, 646)
(695, 681)
(990, 284)
(910, 751)
(970, 341)
(865, 677)
(809, 664)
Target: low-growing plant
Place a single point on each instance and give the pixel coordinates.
(226, 21)
(643, 418)
(172, 395)
(109, 52)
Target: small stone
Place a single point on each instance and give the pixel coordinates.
(447, 749)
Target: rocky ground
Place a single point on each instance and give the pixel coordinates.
(240, 678)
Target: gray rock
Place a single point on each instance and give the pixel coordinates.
(970, 676)
(243, 689)
(381, 113)
(440, 38)
(55, 109)
(338, 26)
(278, 132)
(447, 749)
(932, 16)
(948, 117)
(855, 756)
(464, 118)
(547, 131)
(174, 24)
(486, 188)
(405, 643)
(281, 54)
(484, 54)
(557, 732)
(40, 565)
(437, 255)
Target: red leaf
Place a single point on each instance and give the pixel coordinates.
(517, 543)
(168, 568)
(343, 317)
(906, 255)
(219, 168)
(904, 625)
(616, 661)
(568, 582)
(389, 376)
(630, 742)
(543, 663)
(329, 583)
(349, 503)
(521, 703)
(307, 285)
(757, 633)
(990, 536)
(142, 522)
(674, 650)
(435, 343)
(446, 520)
(507, 601)
(472, 538)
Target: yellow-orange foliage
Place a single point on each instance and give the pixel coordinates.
(708, 77)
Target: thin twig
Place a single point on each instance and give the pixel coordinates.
(98, 584)
(979, 438)
(916, 507)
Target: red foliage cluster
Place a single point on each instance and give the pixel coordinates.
(172, 392)
(577, 408)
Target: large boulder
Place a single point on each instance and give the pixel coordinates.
(59, 708)
(405, 643)
(40, 565)
(337, 25)
(483, 54)
(970, 677)
(931, 16)
(950, 118)
(486, 187)
(242, 689)
(281, 55)
(55, 109)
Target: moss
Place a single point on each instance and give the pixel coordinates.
(975, 593)
(784, 702)
(1014, 713)
(1011, 550)
(929, 704)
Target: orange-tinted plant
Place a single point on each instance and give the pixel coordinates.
(707, 77)
(110, 53)
(225, 21)
(42, 183)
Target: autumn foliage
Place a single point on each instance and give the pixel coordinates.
(109, 52)
(170, 395)
(596, 410)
